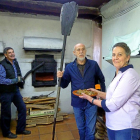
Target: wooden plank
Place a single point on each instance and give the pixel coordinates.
(42, 116)
(45, 102)
(38, 106)
(39, 100)
(30, 125)
(42, 112)
(43, 120)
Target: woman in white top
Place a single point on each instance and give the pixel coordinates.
(121, 102)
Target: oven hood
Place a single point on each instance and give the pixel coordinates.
(42, 44)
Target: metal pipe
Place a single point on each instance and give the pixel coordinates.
(32, 70)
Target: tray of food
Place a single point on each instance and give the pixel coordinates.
(88, 92)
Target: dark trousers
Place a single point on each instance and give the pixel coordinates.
(6, 100)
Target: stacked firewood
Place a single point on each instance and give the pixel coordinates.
(101, 132)
(41, 111)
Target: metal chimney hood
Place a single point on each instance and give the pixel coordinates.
(42, 44)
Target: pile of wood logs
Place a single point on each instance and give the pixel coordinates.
(41, 111)
(101, 132)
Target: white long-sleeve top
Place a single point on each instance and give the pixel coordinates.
(122, 104)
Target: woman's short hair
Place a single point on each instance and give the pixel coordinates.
(124, 46)
(6, 49)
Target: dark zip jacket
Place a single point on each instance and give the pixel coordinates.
(72, 74)
(10, 74)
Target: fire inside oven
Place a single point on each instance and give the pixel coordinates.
(44, 77)
(46, 74)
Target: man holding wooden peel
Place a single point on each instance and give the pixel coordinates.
(82, 73)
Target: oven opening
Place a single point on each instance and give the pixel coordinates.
(44, 76)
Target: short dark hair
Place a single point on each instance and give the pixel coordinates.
(6, 49)
(124, 46)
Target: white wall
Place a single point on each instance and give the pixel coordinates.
(121, 17)
(14, 27)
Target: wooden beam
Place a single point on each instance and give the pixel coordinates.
(30, 5)
(45, 6)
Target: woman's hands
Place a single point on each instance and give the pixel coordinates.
(87, 97)
(93, 89)
(84, 96)
(96, 91)
(100, 94)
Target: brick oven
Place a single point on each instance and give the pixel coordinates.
(46, 74)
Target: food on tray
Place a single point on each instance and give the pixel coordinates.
(79, 92)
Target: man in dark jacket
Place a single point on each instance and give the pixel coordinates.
(10, 75)
(82, 73)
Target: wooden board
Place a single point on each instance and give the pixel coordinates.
(39, 100)
(38, 106)
(43, 120)
(44, 102)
